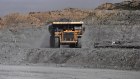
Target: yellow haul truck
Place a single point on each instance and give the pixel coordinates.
(66, 33)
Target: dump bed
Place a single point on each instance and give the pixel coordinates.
(67, 23)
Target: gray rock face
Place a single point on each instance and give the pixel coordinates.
(125, 5)
(115, 17)
(19, 48)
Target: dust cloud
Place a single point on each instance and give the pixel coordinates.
(44, 39)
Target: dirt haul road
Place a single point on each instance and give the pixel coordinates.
(28, 72)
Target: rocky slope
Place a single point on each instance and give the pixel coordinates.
(114, 17)
(41, 18)
(24, 47)
(125, 5)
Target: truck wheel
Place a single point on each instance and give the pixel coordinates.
(57, 42)
(79, 45)
(52, 41)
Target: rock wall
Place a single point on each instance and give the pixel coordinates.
(41, 18)
(125, 5)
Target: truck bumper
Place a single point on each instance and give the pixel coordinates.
(68, 42)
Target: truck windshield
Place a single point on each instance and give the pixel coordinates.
(77, 28)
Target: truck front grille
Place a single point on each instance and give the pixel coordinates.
(68, 36)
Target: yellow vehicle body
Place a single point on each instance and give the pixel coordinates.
(66, 33)
(67, 40)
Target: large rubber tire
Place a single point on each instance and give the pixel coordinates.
(52, 41)
(57, 42)
(79, 44)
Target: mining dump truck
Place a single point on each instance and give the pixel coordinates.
(66, 33)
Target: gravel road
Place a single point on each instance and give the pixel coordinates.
(42, 72)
